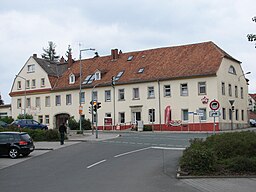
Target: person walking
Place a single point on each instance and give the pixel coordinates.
(62, 130)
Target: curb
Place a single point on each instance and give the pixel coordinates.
(178, 176)
(44, 149)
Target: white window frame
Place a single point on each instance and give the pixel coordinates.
(121, 94)
(151, 92)
(107, 95)
(121, 117)
(58, 100)
(42, 82)
(184, 89)
(201, 87)
(135, 93)
(68, 99)
(47, 101)
(31, 68)
(38, 102)
(72, 79)
(167, 90)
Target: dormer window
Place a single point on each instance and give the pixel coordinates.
(72, 79)
(97, 75)
(232, 70)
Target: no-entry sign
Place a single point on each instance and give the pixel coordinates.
(214, 105)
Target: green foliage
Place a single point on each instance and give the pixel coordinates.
(7, 120)
(38, 134)
(74, 125)
(147, 128)
(25, 116)
(198, 159)
(227, 153)
(50, 53)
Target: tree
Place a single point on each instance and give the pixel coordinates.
(68, 52)
(252, 37)
(1, 100)
(50, 53)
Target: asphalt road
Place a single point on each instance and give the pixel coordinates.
(142, 162)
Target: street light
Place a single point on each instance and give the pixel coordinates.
(232, 110)
(80, 84)
(247, 73)
(25, 93)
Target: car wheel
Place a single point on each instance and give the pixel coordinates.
(13, 153)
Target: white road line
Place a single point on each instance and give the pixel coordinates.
(170, 148)
(90, 166)
(130, 152)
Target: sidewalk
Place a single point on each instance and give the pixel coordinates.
(74, 139)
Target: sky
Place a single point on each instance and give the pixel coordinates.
(129, 25)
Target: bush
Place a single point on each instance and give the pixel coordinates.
(7, 120)
(227, 153)
(198, 159)
(38, 134)
(25, 116)
(147, 128)
(74, 125)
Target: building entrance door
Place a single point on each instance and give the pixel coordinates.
(136, 117)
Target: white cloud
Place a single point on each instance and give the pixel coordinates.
(27, 27)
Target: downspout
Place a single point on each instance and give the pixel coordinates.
(159, 105)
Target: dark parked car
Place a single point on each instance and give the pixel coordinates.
(16, 143)
(29, 123)
(3, 124)
(252, 123)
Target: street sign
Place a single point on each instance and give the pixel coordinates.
(214, 113)
(214, 105)
(80, 110)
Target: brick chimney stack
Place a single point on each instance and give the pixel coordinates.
(70, 60)
(62, 60)
(114, 54)
(35, 55)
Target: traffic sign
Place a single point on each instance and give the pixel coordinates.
(214, 113)
(214, 105)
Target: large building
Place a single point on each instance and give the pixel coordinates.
(168, 88)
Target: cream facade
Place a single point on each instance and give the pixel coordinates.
(165, 104)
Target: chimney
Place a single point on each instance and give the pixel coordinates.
(62, 60)
(114, 54)
(70, 60)
(35, 55)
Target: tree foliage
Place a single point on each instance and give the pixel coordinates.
(50, 53)
(252, 37)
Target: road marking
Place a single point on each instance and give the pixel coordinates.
(170, 148)
(130, 152)
(90, 166)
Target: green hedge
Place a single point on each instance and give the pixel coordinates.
(227, 153)
(38, 134)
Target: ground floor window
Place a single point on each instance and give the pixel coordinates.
(121, 117)
(151, 114)
(40, 118)
(184, 114)
(47, 119)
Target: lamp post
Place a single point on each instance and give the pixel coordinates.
(80, 84)
(247, 73)
(25, 93)
(113, 82)
(232, 110)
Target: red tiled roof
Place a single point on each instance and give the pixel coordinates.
(253, 96)
(186, 61)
